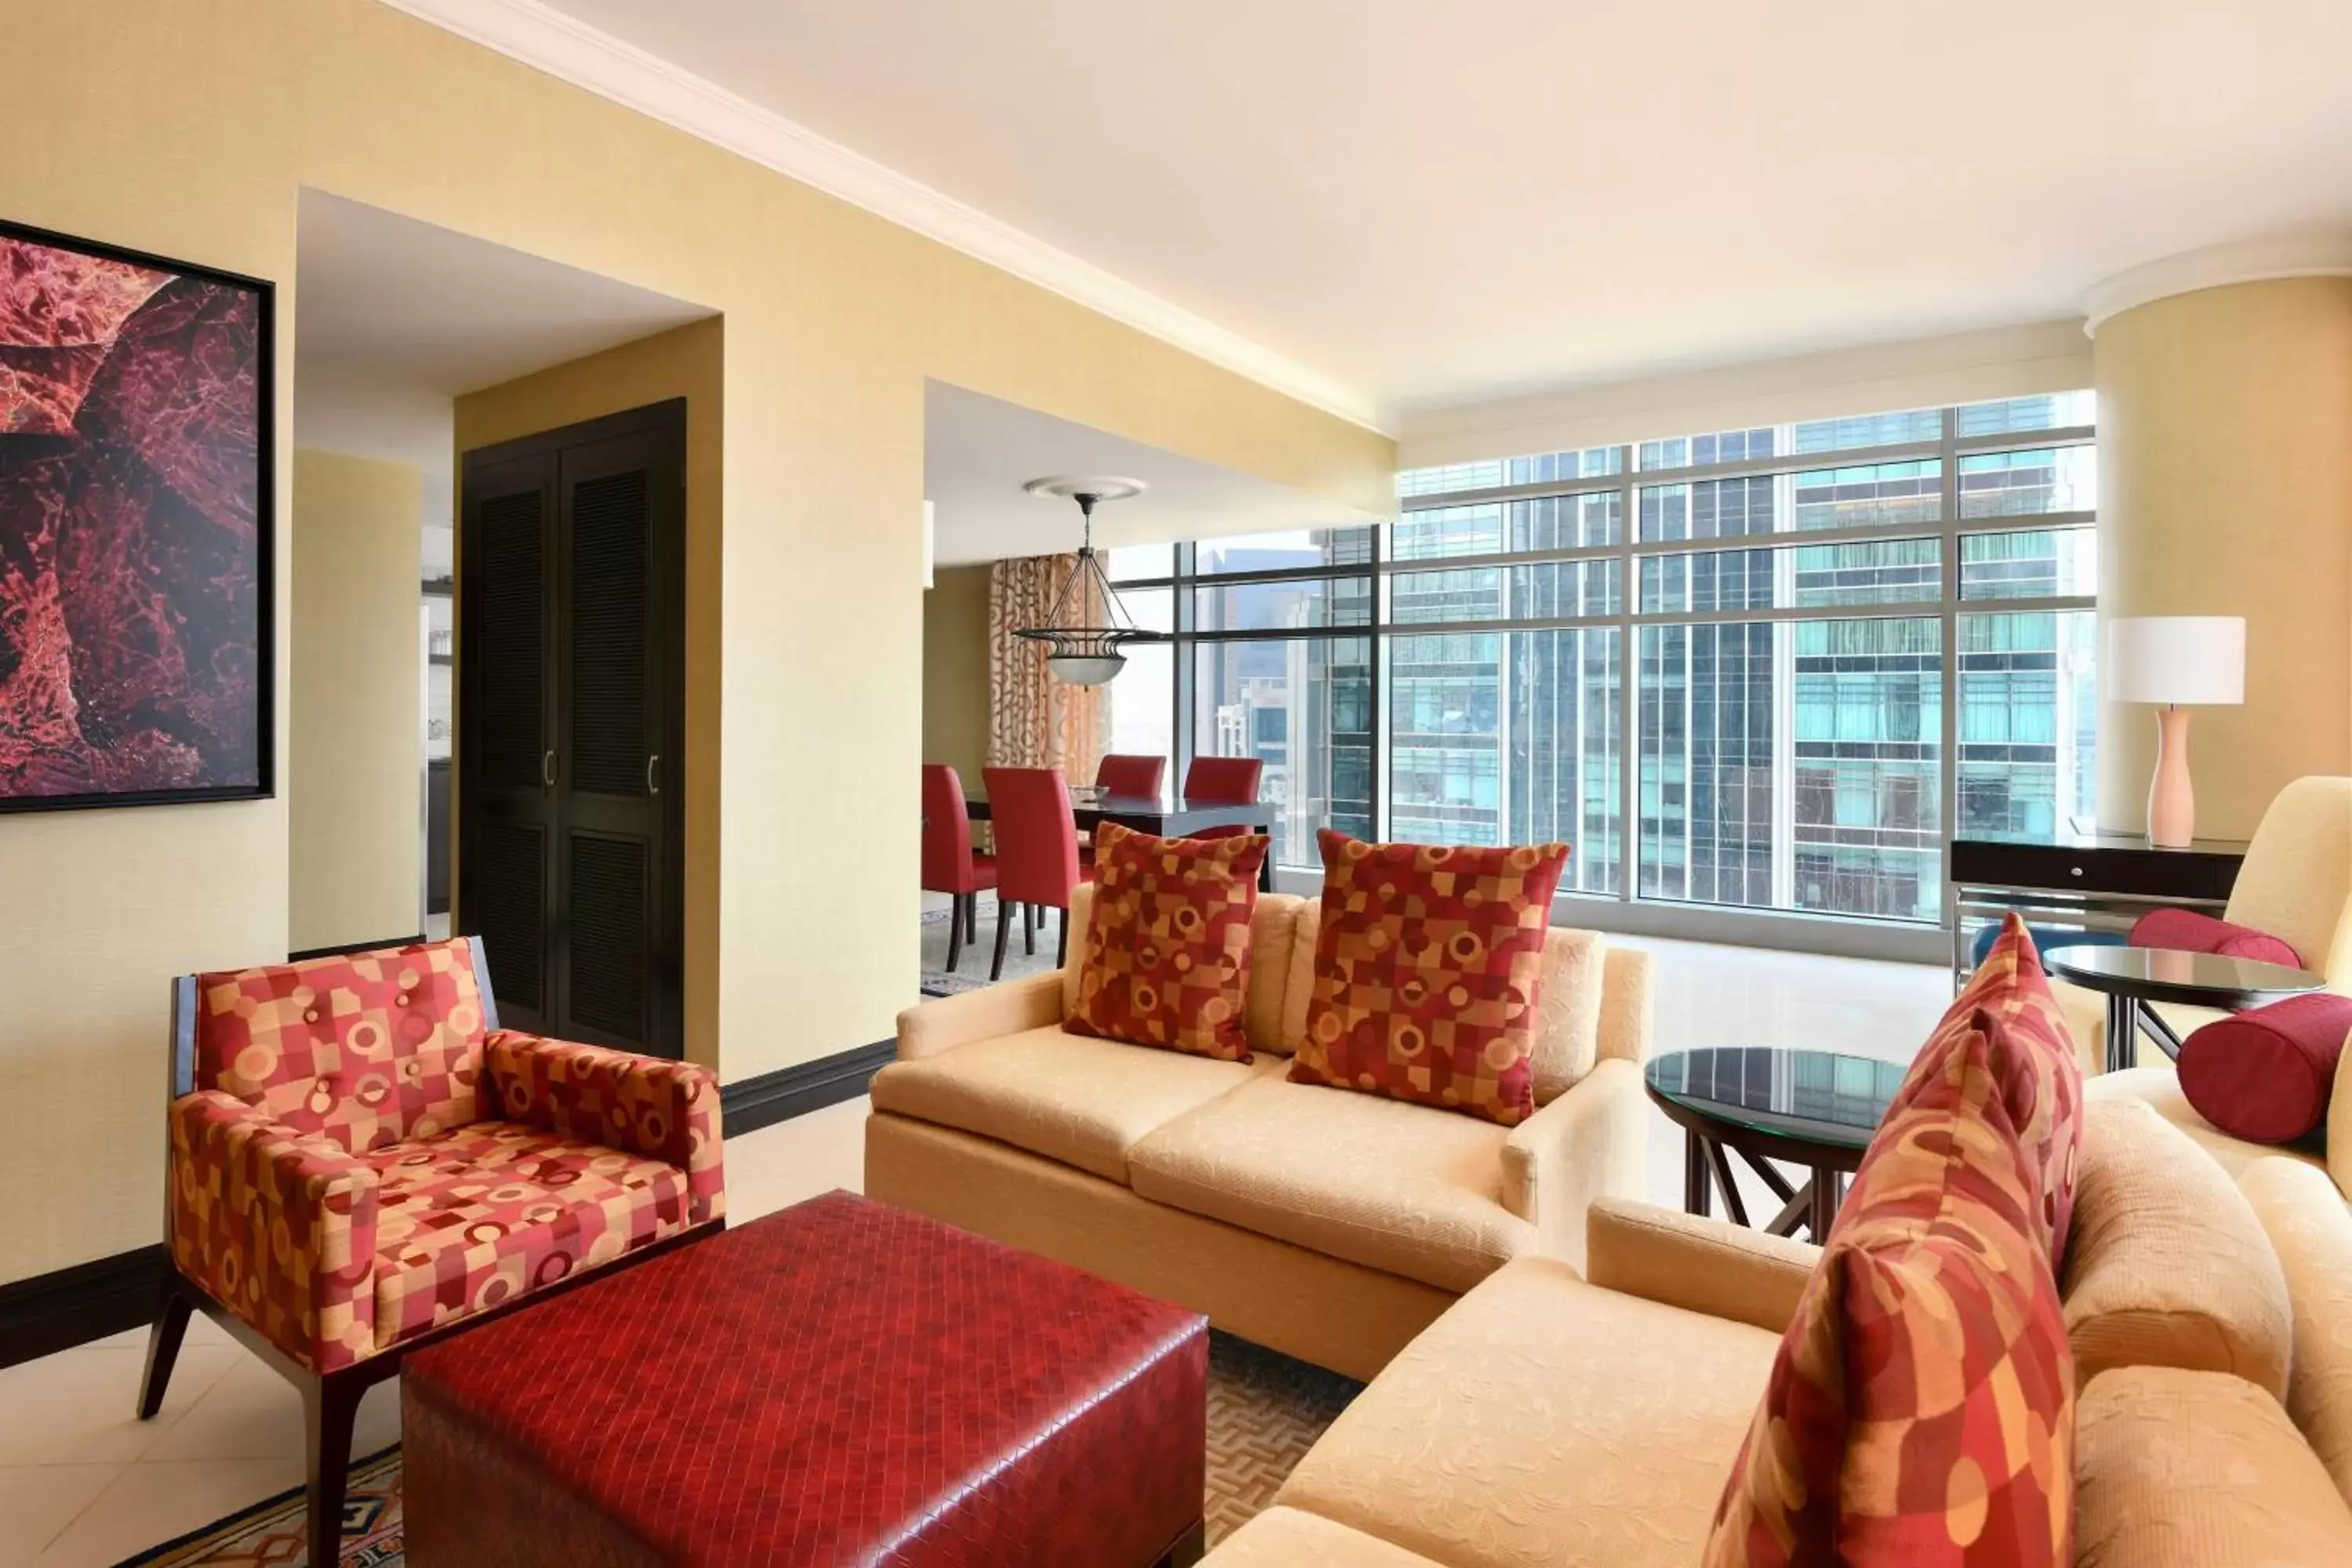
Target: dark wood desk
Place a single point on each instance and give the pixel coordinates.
(2098, 882)
(1165, 818)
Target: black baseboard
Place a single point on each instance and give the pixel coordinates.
(52, 1313)
(751, 1103)
(354, 947)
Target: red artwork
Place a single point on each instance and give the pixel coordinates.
(132, 552)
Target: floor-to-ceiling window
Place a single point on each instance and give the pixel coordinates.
(1769, 668)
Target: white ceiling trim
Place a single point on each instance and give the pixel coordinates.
(2217, 267)
(1922, 372)
(564, 47)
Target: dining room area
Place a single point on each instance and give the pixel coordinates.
(1058, 697)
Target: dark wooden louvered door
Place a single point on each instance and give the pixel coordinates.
(608, 953)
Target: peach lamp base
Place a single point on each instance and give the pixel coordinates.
(2172, 801)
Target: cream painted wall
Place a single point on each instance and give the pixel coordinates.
(689, 363)
(2225, 488)
(955, 670)
(355, 767)
(187, 129)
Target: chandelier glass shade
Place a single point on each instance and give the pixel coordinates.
(1087, 631)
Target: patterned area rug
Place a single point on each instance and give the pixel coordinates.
(972, 966)
(1266, 1410)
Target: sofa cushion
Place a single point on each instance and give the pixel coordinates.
(2175, 1467)
(2311, 1231)
(1167, 956)
(2170, 1266)
(1428, 972)
(472, 1218)
(1542, 1422)
(2034, 1064)
(2266, 1075)
(1382, 1182)
(1285, 1537)
(1921, 1408)
(1272, 926)
(2186, 931)
(1084, 1102)
(2160, 1087)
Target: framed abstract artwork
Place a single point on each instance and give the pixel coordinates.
(136, 458)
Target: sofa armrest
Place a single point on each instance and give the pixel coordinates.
(640, 1105)
(1034, 1002)
(1593, 1139)
(1707, 1266)
(277, 1225)
(2339, 1132)
(1628, 1005)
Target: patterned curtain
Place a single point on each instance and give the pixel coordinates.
(1033, 719)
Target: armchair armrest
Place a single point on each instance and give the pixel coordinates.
(1706, 1265)
(1593, 1139)
(277, 1225)
(1628, 1003)
(661, 1110)
(1031, 1003)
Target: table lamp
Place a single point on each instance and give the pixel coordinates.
(2175, 661)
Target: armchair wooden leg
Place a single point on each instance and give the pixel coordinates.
(1004, 918)
(955, 931)
(329, 1405)
(171, 1326)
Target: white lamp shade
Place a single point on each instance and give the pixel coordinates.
(2191, 660)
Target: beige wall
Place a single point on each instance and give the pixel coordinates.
(188, 129)
(2225, 488)
(689, 363)
(955, 670)
(355, 765)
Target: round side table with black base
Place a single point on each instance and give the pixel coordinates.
(2132, 978)
(1814, 1109)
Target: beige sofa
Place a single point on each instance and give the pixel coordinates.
(2296, 884)
(1548, 1420)
(1328, 1225)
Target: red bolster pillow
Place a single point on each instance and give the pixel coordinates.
(2265, 1075)
(2186, 931)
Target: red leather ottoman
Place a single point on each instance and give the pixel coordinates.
(839, 1382)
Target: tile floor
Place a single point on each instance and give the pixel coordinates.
(83, 1485)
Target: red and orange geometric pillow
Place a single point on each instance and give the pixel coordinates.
(1427, 966)
(1167, 955)
(2034, 1061)
(1921, 1410)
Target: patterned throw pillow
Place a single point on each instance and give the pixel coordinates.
(2034, 1060)
(1427, 966)
(1168, 949)
(1921, 1410)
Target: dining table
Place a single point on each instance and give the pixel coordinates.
(1165, 816)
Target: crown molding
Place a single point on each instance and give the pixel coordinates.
(2217, 267)
(570, 50)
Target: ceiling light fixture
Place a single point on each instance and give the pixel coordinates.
(1086, 632)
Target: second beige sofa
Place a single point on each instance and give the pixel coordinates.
(1328, 1225)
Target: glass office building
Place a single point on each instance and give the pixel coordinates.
(1801, 653)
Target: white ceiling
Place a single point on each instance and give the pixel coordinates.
(394, 317)
(979, 451)
(1433, 204)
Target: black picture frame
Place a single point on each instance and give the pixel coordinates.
(265, 565)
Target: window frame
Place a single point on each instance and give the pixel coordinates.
(1625, 479)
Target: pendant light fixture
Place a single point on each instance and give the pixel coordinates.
(1086, 632)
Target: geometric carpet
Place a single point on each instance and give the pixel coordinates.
(971, 969)
(1266, 1410)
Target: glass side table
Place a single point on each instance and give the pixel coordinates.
(2132, 978)
(1812, 1109)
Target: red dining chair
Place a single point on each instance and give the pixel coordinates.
(1222, 780)
(1036, 849)
(948, 864)
(1132, 775)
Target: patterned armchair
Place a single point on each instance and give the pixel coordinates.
(361, 1160)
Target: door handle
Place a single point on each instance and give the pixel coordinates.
(546, 769)
(653, 774)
